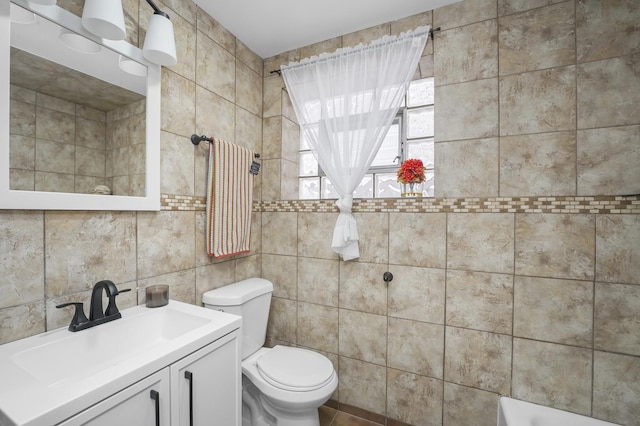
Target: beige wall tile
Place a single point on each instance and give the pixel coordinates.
(366, 35)
(272, 137)
(55, 157)
(478, 359)
(21, 321)
(176, 165)
(289, 184)
(465, 406)
(373, 232)
(272, 95)
(538, 39)
(283, 320)
(90, 133)
(89, 162)
(362, 287)
(416, 347)
(185, 37)
(248, 88)
(607, 160)
(473, 103)
(318, 281)
(248, 267)
(22, 152)
(215, 117)
(271, 180)
(507, 7)
(540, 164)
(315, 49)
(552, 375)
(559, 311)
(418, 239)
(466, 53)
(178, 110)
(609, 82)
(213, 276)
(55, 126)
(555, 245)
(318, 327)
(467, 168)
(464, 13)
(362, 384)
(21, 240)
(54, 182)
(216, 68)
(290, 141)
(158, 230)
(617, 315)
(22, 118)
(281, 271)
(617, 247)
(616, 388)
(363, 336)
(248, 57)
(414, 399)
(248, 132)
(417, 294)
(279, 233)
(215, 31)
(107, 242)
(480, 301)
(538, 101)
(607, 29)
(315, 231)
(471, 237)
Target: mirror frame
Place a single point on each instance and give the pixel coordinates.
(34, 200)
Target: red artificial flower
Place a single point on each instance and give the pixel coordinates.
(411, 171)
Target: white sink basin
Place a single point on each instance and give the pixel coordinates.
(83, 353)
(49, 377)
(513, 412)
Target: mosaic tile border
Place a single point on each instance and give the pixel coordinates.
(576, 205)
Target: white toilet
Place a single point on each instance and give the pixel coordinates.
(281, 386)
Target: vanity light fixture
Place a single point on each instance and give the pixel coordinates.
(104, 18)
(131, 66)
(43, 2)
(159, 43)
(21, 16)
(78, 43)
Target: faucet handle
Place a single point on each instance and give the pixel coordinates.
(112, 309)
(79, 318)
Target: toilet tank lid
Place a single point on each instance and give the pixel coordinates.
(237, 293)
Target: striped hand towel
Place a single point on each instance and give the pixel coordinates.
(229, 199)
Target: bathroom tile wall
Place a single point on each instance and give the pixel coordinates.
(49, 257)
(56, 145)
(522, 277)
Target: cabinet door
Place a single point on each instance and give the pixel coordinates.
(206, 386)
(145, 403)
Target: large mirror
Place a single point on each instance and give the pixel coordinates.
(79, 118)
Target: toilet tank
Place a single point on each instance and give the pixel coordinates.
(251, 300)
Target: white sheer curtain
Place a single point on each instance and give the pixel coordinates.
(345, 103)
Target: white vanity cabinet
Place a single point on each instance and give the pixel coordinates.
(135, 405)
(203, 388)
(207, 386)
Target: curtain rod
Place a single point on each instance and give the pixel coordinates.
(431, 32)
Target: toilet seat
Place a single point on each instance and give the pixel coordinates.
(295, 369)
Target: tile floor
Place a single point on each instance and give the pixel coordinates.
(332, 417)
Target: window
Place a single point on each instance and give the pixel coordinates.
(410, 136)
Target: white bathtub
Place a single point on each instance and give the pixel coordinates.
(512, 412)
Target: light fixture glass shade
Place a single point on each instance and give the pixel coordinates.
(159, 43)
(21, 16)
(131, 66)
(43, 2)
(78, 42)
(104, 18)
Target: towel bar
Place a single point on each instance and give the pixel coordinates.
(195, 139)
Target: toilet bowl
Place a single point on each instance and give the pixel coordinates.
(283, 385)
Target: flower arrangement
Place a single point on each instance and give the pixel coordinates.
(411, 171)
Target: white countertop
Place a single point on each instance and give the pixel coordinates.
(42, 383)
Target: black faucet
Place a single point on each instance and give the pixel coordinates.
(96, 314)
